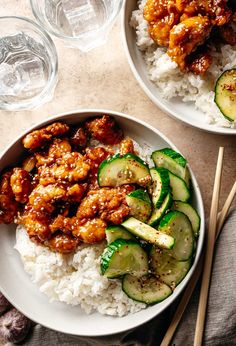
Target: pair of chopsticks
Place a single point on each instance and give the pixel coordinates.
(216, 222)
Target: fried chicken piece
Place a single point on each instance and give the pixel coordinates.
(199, 63)
(76, 192)
(39, 138)
(71, 167)
(162, 16)
(43, 198)
(79, 138)
(126, 146)
(109, 204)
(21, 185)
(57, 149)
(36, 223)
(88, 231)
(105, 130)
(8, 205)
(63, 243)
(92, 231)
(186, 37)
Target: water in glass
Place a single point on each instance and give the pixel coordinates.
(23, 67)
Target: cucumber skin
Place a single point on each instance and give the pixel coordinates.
(168, 205)
(175, 207)
(165, 179)
(174, 155)
(111, 250)
(217, 93)
(140, 204)
(140, 194)
(185, 184)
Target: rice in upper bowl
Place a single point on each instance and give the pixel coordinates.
(172, 83)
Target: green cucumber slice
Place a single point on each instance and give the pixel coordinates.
(128, 169)
(191, 213)
(123, 257)
(157, 214)
(148, 233)
(140, 204)
(160, 185)
(168, 269)
(117, 232)
(180, 191)
(173, 161)
(225, 94)
(148, 290)
(177, 225)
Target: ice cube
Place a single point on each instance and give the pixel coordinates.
(31, 71)
(10, 81)
(84, 15)
(22, 76)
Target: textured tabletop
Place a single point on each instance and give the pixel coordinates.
(103, 79)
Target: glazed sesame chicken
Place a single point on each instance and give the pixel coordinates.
(21, 184)
(8, 205)
(39, 138)
(55, 195)
(63, 243)
(184, 25)
(126, 146)
(186, 37)
(105, 130)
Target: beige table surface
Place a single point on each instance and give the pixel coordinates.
(103, 79)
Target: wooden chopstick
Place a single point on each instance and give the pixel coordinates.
(206, 276)
(194, 279)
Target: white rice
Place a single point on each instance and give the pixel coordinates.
(74, 278)
(173, 83)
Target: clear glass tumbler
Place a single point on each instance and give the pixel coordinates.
(83, 24)
(28, 64)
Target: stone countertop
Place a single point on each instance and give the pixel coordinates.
(102, 79)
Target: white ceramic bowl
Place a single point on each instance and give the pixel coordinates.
(15, 284)
(184, 112)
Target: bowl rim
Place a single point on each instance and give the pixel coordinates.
(200, 241)
(175, 115)
(51, 83)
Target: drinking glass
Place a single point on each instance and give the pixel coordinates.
(28, 64)
(83, 24)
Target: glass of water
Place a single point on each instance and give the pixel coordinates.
(28, 64)
(83, 24)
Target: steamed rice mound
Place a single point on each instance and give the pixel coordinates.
(75, 278)
(171, 82)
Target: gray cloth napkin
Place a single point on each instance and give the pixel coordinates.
(221, 314)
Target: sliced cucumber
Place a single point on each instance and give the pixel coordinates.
(117, 232)
(140, 204)
(148, 233)
(173, 161)
(158, 213)
(146, 289)
(191, 213)
(128, 169)
(177, 225)
(123, 257)
(160, 185)
(225, 94)
(180, 191)
(168, 269)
